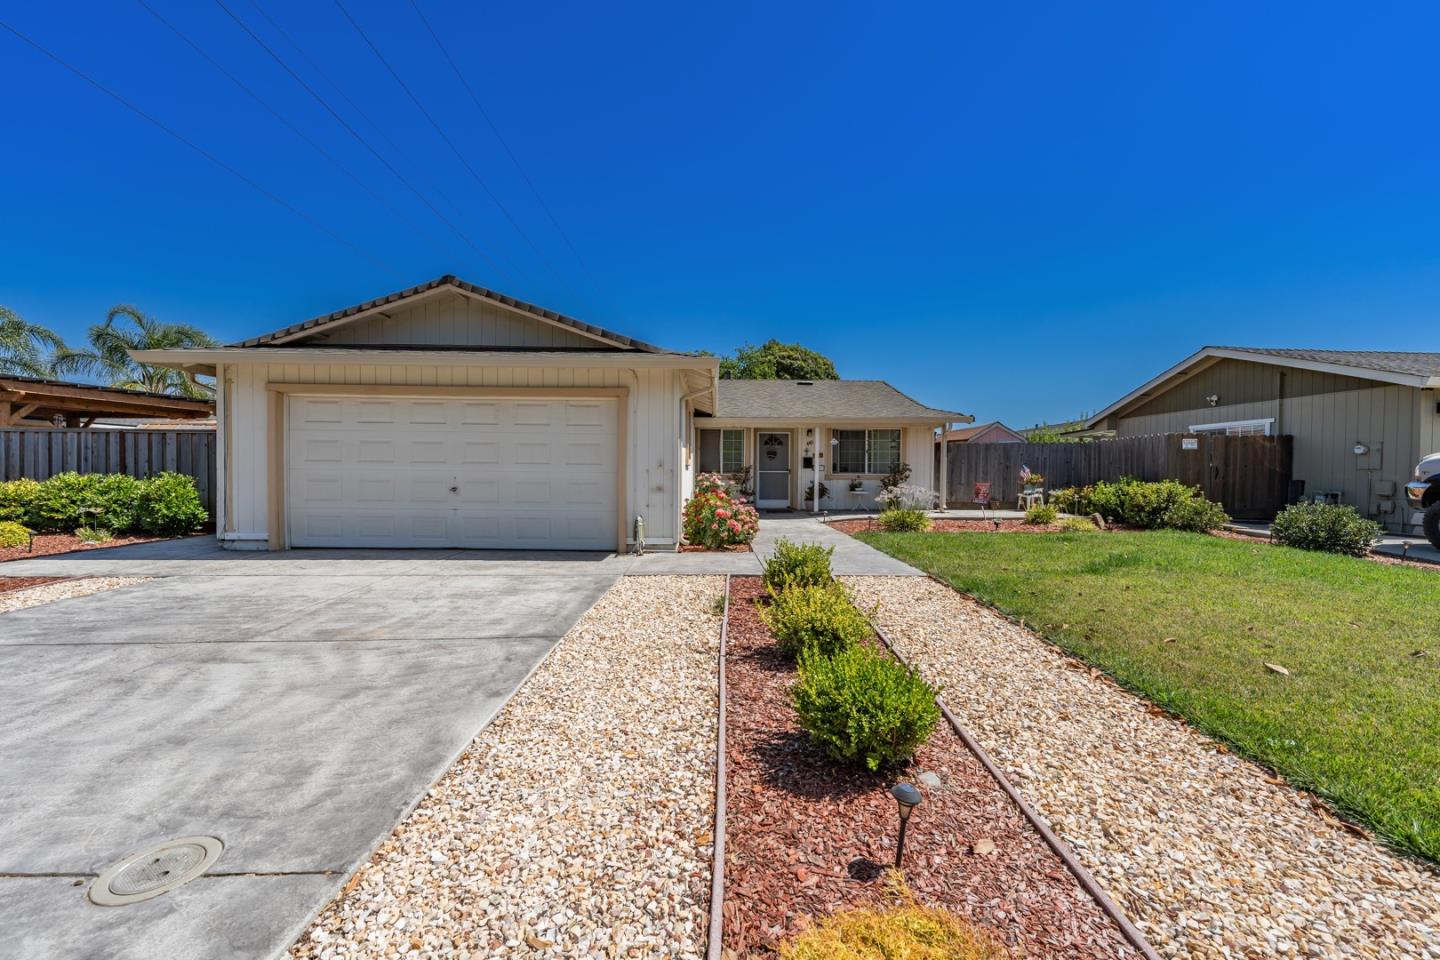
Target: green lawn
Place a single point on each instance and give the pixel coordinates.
(1356, 721)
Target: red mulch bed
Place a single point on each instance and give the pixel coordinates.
(49, 544)
(799, 826)
(956, 526)
(697, 548)
(20, 583)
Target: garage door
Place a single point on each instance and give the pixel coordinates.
(482, 473)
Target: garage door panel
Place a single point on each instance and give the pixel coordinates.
(380, 472)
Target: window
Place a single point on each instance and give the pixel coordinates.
(866, 451)
(722, 451)
(1236, 428)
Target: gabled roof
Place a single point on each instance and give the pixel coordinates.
(315, 325)
(822, 400)
(1411, 369)
(966, 434)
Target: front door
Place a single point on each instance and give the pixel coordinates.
(772, 471)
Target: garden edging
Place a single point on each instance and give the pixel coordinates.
(1082, 876)
(715, 946)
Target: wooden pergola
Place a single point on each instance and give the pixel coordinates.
(25, 402)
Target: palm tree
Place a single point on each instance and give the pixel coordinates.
(108, 358)
(26, 349)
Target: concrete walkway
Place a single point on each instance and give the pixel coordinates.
(293, 705)
(851, 559)
(1392, 544)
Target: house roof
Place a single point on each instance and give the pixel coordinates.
(316, 324)
(1407, 368)
(823, 400)
(965, 434)
(29, 398)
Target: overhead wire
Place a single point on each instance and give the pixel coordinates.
(176, 135)
(459, 155)
(359, 138)
(293, 128)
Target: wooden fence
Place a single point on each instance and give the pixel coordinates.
(1249, 475)
(42, 453)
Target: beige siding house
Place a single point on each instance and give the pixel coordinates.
(1361, 419)
(449, 415)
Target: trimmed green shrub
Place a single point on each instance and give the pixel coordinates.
(798, 565)
(114, 500)
(169, 505)
(863, 707)
(903, 520)
(815, 619)
(17, 500)
(1330, 527)
(13, 534)
(1078, 525)
(1041, 515)
(1163, 504)
(94, 534)
(63, 501)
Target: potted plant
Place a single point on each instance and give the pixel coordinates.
(856, 485)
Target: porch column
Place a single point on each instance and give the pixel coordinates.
(944, 465)
(816, 471)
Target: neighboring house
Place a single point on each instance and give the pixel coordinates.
(992, 432)
(1067, 430)
(1361, 419)
(32, 402)
(449, 415)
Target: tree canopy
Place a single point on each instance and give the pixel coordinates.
(107, 358)
(26, 349)
(774, 360)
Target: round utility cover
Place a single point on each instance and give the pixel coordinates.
(154, 871)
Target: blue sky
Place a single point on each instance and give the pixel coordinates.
(1022, 211)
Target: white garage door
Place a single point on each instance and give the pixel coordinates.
(483, 473)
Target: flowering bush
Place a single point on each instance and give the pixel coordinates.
(715, 517)
(908, 496)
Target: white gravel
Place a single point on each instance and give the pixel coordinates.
(12, 600)
(1207, 854)
(579, 823)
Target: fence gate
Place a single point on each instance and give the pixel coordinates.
(41, 453)
(1250, 476)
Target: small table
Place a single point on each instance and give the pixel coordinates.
(1032, 499)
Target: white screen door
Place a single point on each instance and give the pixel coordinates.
(772, 470)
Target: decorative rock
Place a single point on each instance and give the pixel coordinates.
(930, 779)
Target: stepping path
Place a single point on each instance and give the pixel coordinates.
(1207, 854)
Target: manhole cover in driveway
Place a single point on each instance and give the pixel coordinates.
(154, 871)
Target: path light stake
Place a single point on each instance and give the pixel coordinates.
(908, 799)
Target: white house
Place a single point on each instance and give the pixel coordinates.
(449, 415)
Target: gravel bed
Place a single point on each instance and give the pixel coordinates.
(578, 824)
(62, 590)
(1207, 853)
(805, 836)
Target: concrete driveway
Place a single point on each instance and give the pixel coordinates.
(293, 705)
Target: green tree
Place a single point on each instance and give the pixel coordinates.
(108, 358)
(777, 361)
(26, 349)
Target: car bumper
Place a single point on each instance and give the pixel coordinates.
(1415, 492)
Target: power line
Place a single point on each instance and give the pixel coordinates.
(293, 128)
(453, 148)
(199, 149)
(444, 52)
(356, 134)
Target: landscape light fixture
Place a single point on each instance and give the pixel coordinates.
(908, 798)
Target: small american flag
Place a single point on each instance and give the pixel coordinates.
(1024, 473)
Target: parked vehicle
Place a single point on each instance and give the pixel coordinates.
(1423, 492)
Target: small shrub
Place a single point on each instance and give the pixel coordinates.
(906, 931)
(798, 565)
(907, 496)
(169, 505)
(819, 620)
(18, 499)
(1167, 504)
(864, 707)
(1042, 515)
(1330, 527)
(94, 534)
(1078, 525)
(904, 520)
(714, 518)
(63, 502)
(810, 492)
(114, 499)
(13, 534)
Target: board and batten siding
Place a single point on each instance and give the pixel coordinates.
(1326, 413)
(449, 319)
(653, 435)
